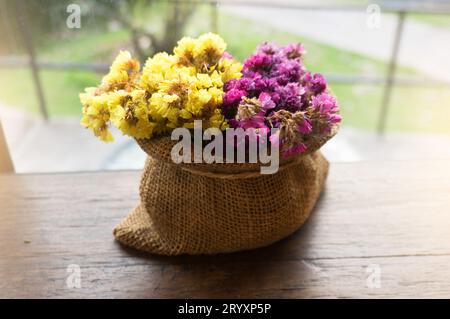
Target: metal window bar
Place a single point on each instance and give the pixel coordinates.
(6, 165)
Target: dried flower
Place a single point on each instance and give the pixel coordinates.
(299, 103)
(324, 112)
(172, 91)
(292, 129)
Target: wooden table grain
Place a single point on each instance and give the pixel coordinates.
(380, 229)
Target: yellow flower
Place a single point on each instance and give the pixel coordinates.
(160, 105)
(172, 91)
(203, 81)
(216, 96)
(179, 84)
(123, 74)
(217, 120)
(184, 51)
(208, 51)
(96, 114)
(155, 70)
(229, 69)
(131, 116)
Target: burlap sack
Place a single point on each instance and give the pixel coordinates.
(219, 208)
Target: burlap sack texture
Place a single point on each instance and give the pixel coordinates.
(220, 208)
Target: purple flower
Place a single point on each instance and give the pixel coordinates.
(325, 103)
(267, 48)
(231, 84)
(290, 96)
(276, 91)
(233, 97)
(266, 102)
(259, 84)
(292, 129)
(230, 102)
(251, 112)
(325, 111)
(276, 98)
(258, 63)
(315, 84)
(256, 121)
(242, 84)
(288, 71)
(305, 126)
(293, 51)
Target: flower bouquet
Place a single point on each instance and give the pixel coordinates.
(200, 197)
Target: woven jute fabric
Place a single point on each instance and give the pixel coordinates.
(219, 208)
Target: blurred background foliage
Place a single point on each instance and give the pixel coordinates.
(148, 26)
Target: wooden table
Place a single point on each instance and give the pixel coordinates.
(381, 229)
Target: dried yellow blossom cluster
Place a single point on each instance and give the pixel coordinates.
(172, 91)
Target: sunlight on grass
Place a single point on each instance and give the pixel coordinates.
(17, 90)
(61, 90)
(87, 47)
(436, 20)
(424, 110)
(420, 109)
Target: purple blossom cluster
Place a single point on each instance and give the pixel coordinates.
(276, 91)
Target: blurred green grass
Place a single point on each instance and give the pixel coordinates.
(436, 20)
(412, 108)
